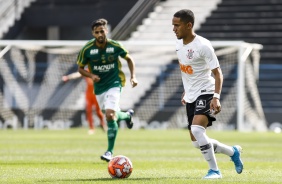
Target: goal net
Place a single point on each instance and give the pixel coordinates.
(32, 94)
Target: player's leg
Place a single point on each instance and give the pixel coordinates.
(199, 118)
(222, 148)
(233, 151)
(89, 116)
(111, 104)
(111, 133)
(127, 116)
(199, 132)
(99, 113)
(218, 147)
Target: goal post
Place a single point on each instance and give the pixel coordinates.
(32, 93)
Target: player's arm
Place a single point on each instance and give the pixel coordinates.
(71, 76)
(131, 66)
(182, 98)
(85, 73)
(215, 104)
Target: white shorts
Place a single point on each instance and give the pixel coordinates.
(110, 99)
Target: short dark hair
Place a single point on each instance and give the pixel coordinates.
(186, 16)
(99, 22)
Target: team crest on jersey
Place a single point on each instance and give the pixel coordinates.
(200, 104)
(93, 51)
(190, 54)
(111, 58)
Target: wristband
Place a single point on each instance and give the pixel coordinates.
(216, 95)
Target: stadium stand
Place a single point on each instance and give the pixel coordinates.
(72, 18)
(255, 21)
(157, 26)
(10, 12)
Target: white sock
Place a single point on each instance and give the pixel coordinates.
(218, 147)
(196, 144)
(206, 147)
(222, 148)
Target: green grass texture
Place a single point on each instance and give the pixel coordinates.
(158, 156)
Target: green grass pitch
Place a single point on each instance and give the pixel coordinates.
(158, 156)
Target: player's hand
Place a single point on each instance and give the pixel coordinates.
(95, 78)
(65, 78)
(215, 106)
(182, 99)
(133, 82)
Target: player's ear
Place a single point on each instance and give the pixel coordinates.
(106, 30)
(189, 25)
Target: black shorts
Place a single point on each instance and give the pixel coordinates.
(200, 106)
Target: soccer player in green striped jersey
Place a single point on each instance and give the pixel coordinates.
(101, 56)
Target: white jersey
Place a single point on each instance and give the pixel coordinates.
(196, 60)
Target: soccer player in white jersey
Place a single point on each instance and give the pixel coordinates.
(201, 96)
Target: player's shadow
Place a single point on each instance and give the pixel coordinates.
(115, 180)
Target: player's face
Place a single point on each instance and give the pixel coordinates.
(180, 28)
(100, 33)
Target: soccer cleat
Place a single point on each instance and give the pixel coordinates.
(107, 156)
(129, 122)
(213, 175)
(91, 131)
(237, 160)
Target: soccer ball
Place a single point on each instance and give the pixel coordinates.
(120, 167)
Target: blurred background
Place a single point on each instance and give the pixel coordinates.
(32, 94)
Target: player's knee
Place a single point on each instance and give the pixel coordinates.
(110, 115)
(110, 118)
(195, 144)
(197, 130)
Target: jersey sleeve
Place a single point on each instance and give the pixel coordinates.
(119, 49)
(81, 59)
(122, 51)
(210, 57)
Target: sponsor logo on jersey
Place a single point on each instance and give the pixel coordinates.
(93, 51)
(104, 68)
(186, 68)
(190, 54)
(110, 50)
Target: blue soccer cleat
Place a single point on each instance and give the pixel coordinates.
(237, 160)
(213, 175)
